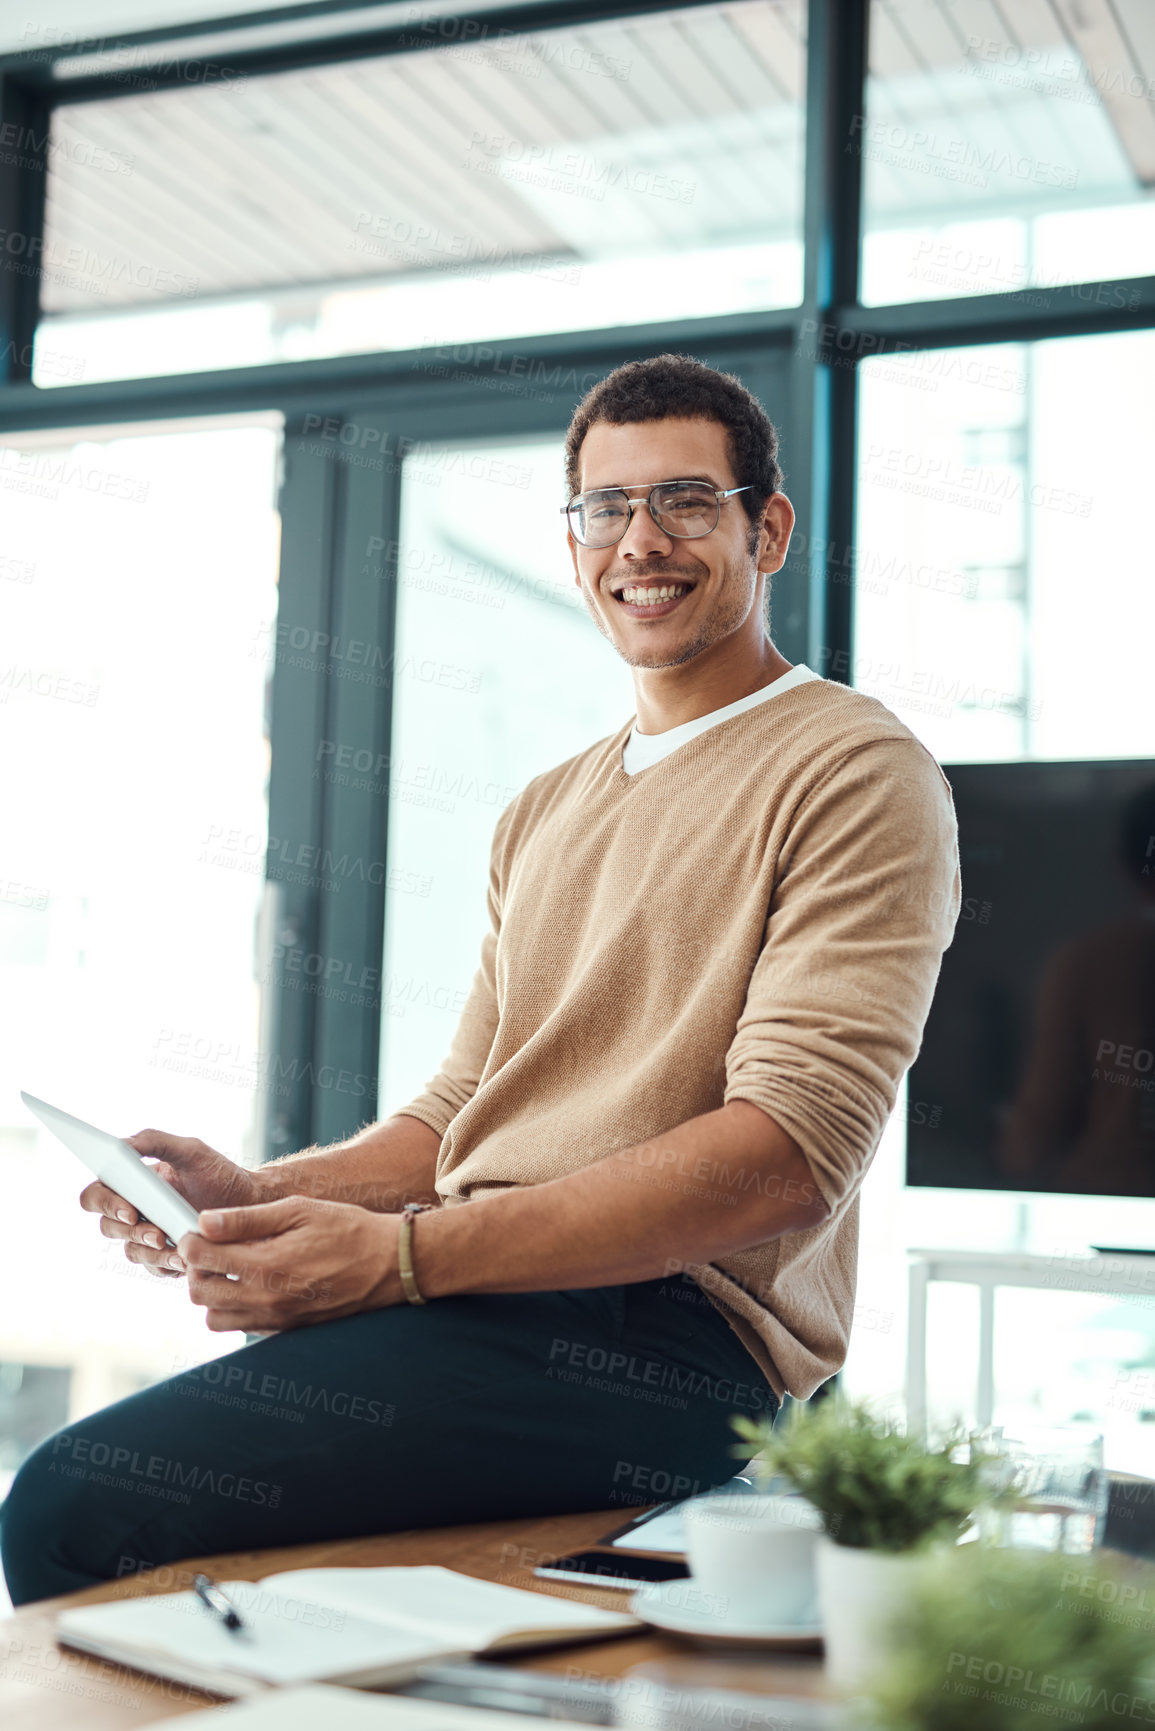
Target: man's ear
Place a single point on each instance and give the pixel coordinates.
(572, 545)
(774, 537)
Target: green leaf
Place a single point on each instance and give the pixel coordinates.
(875, 1486)
(1002, 1639)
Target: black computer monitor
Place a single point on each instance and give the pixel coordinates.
(1037, 1069)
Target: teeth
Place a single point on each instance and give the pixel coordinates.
(651, 596)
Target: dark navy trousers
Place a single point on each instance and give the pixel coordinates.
(465, 1409)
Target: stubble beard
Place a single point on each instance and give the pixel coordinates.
(732, 604)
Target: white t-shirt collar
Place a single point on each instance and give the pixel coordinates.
(643, 749)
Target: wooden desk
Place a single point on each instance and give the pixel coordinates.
(46, 1688)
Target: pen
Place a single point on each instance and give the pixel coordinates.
(211, 1595)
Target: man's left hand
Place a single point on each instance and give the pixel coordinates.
(297, 1261)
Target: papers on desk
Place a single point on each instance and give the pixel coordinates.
(661, 1529)
(364, 1627)
(337, 1710)
(651, 1706)
(661, 1532)
(349, 1710)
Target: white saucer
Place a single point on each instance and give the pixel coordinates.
(684, 1608)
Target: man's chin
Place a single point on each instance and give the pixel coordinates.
(653, 659)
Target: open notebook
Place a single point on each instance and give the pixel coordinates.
(365, 1627)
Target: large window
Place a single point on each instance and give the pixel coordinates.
(413, 240)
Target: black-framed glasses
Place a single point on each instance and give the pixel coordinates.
(686, 509)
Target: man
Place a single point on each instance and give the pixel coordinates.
(714, 937)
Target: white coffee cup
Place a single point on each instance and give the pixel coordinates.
(754, 1556)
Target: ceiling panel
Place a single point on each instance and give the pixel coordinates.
(662, 131)
(669, 130)
(988, 107)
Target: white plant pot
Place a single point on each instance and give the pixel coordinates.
(857, 1591)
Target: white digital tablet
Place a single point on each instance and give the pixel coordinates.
(120, 1167)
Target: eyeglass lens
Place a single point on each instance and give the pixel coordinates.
(681, 508)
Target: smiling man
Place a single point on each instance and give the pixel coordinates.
(713, 940)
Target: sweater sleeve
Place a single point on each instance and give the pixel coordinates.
(865, 903)
(461, 1069)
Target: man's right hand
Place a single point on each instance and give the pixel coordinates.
(201, 1175)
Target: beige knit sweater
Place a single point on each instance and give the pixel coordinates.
(759, 916)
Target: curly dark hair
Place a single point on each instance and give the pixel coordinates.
(679, 385)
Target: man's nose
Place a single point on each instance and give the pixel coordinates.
(643, 538)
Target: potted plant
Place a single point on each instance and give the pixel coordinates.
(886, 1500)
(1006, 1638)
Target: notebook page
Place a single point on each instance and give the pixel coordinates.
(283, 1641)
(449, 1608)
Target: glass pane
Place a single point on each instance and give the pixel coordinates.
(1006, 147)
(614, 173)
(508, 676)
(1002, 499)
(137, 572)
(1002, 495)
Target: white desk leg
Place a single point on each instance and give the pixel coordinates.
(916, 1349)
(985, 1403)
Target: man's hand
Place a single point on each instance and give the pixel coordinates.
(297, 1261)
(202, 1176)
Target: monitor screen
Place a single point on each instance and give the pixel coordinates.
(1037, 1069)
